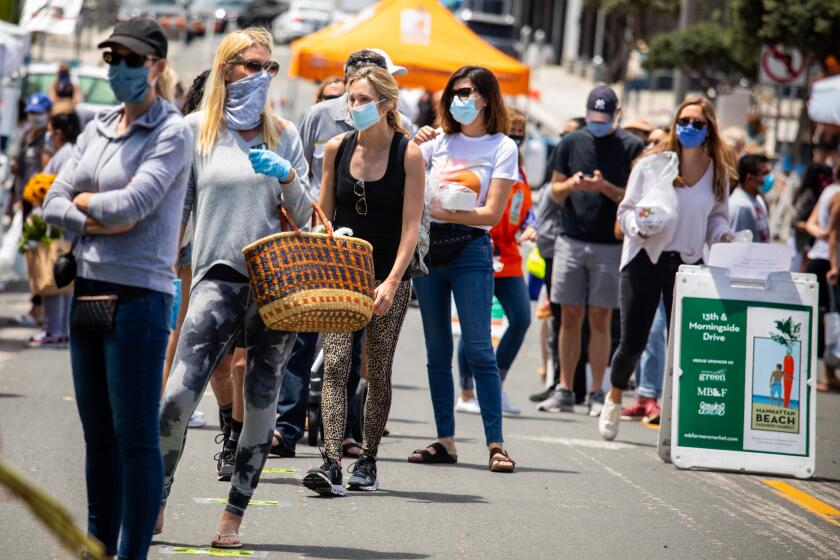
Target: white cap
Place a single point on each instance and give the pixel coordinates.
(393, 69)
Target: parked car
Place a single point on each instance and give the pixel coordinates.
(498, 30)
(223, 13)
(92, 81)
(302, 18)
(261, 13)
(170, 14)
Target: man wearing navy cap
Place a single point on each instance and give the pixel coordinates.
(590, 170)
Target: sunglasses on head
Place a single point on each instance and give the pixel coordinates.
(255, 66)
(132, 60)
(328, 97)
(698, 124)
(464, 93)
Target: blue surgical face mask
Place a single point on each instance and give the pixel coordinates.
(767, 183)
(245, 101)
(689, 137)
(599, 130)
(365, 116)
(129, 84)
(463, 111)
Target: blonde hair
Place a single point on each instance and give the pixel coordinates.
(386, 88)
(215, 90)
(723, 157)
(165, 83)
(516, 116)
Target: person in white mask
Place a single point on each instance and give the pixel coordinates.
(247, 161)
(373, 183)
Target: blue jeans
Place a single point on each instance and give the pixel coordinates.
(117, 377)
(294, 389)
(469, 279)
(650, 370)
(512, 294)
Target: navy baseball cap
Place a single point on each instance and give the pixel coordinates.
(38, 103)
(602, 99)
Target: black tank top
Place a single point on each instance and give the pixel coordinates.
(382, 225)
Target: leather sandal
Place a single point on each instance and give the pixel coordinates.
(505, 465)
(440, 456)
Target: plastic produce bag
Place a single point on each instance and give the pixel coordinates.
(450, 196)
(657, 208)
(9, 245)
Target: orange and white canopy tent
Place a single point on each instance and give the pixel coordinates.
(421, 35)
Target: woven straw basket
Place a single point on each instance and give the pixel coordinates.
(312, 282)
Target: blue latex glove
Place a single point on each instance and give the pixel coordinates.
(268, 163)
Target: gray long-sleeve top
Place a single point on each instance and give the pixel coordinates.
(231, 205)
(139, 178)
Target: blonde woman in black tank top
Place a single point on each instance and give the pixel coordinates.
(373, 183)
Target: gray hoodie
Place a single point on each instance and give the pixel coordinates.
(138, 178)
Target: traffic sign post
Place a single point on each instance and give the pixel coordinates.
(740, 376)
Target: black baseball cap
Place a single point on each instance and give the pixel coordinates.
(602, 99)
(139, 35)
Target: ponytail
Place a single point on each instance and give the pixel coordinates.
(392, 117)
(165, 83)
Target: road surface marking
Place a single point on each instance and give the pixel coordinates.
(579, 442)
(218, 552)
(223, 501)
(276, 470)
(805, 501)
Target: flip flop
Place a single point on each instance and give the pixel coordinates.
(280, 448)
(219, 536)
(440, 457)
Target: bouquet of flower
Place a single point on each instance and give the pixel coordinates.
(37, 187)
(36, 231)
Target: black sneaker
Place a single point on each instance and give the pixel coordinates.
(364, 474)
(326, 480)
(225, 459)
(542, 395)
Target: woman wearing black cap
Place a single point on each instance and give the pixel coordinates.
(122, 191)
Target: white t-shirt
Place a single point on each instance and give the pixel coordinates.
(749, 212)
(472, 162)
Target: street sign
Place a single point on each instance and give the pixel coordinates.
(782, 66)
(741, 373)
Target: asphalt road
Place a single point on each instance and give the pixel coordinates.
(573, 495)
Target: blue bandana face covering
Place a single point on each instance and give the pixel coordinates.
(767, 183)
(245, 101)
(689, 137)
(128, 84)
(463, 111)
(365, 116)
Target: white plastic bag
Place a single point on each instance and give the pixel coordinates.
(9, 245)
(450, 196)
(657, 208)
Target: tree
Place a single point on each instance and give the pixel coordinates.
(727, 45)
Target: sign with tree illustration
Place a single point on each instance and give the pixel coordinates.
(743, 377)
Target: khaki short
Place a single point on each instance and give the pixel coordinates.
(585, 273)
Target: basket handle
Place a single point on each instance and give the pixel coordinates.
(317, 212)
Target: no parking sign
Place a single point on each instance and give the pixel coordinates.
(782, 66)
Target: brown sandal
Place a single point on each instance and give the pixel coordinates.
(505, 465)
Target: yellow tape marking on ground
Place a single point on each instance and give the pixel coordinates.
(650, 426)
(213, 552)
(276, 470)
(805, 501)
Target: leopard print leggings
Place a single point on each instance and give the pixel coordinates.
(382, 335)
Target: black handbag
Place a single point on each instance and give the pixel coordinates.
(94, 313)
(446, 244)
(64, 269)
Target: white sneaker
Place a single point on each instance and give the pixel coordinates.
(508, 407)
(469, 406)
(197, 420)
(609, 419)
